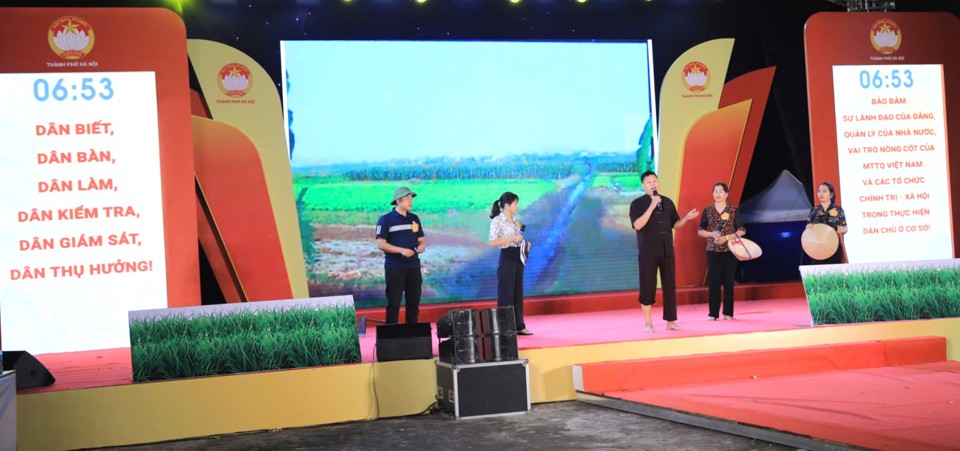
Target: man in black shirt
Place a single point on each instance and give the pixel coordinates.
(654, 217)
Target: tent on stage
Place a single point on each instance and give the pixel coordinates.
(775, 218)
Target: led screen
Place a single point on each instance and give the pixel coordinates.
(567, 126)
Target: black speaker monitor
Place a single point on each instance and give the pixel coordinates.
(499, 320)
(404, 342)
(458, 323)
(30, 372)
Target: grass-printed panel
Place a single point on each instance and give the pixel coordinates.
(859, 293)
(241, 338)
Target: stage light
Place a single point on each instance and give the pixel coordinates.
(581, 1)
(514, 1)
(176, 5)
(421, 1)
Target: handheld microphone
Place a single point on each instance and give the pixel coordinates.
(659, 204)
(523, 228)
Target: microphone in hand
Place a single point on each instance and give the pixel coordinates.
(659, 203)
(523, 228)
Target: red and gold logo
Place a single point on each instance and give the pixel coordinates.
(696, 76)
(70, 37)
(415, 227)
(235, 80)
(833, 212)
(725, 216)
(885, 36)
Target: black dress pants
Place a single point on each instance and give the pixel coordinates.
(668, 278)
(721, 269)
(403, 280)
(510, 283)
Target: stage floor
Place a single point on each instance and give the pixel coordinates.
(112, 367)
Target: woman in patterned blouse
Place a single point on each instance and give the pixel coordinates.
(719, 224)
(505, 233)
(830, 214)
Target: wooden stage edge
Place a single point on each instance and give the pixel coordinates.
(171, 410)
(601, 301)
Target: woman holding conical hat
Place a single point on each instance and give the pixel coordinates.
(829, 213)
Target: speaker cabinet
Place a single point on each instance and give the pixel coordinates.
(462, 349)
(499, 320)
(500, 347)
(30, 372)
(404, 342)
(459, 323)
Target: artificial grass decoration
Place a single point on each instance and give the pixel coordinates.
(883, 294)
(242, 341)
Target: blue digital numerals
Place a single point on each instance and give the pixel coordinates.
(88, 89)
(881, 79)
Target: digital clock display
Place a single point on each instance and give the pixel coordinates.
(886, 78)
(71, 88)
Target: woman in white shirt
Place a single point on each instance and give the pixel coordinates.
(506, 233)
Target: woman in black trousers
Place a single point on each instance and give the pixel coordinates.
(505, 233)
(720, 223)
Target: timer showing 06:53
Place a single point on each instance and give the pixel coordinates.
(88, 89)
(891, 80)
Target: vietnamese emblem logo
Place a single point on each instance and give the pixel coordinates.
(885, 36)
(70, 37)
(235, 80)
(696, 76)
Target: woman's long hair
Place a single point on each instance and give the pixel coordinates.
(506, 198)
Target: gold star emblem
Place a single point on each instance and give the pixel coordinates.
(70, 27)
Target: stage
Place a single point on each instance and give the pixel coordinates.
(94, 403)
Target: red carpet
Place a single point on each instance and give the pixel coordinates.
(897, 408)
(109, 367)
(851, 393)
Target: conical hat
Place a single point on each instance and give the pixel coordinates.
(744, 249)
(820, 241)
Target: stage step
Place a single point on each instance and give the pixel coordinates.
(888, 394)
(630, 375)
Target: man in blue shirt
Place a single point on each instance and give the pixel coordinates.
(400, 237)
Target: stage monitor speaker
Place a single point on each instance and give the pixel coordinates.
(458, 323)
(499, 320)
(461, 350)
(500, 347)
(30, 372)
(404, 342)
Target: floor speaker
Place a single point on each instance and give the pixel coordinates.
(404, 342)
(30, 372)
